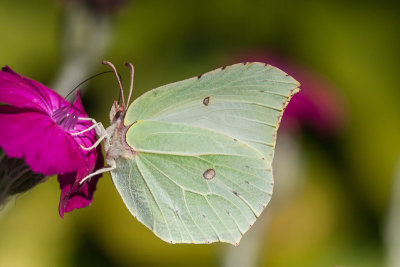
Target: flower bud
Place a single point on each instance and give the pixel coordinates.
(16, 177)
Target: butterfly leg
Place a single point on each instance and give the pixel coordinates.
(88, 129)
(103, 170)
(100, 131)
(95, 144)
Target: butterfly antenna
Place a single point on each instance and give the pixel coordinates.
(119, 81)
(132, 69)
(91, 77)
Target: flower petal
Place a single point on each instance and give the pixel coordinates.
(75, 196)
(22, 92)
(46, 147)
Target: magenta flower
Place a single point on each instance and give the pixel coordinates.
(38, 125)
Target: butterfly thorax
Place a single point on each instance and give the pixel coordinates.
(117, 145)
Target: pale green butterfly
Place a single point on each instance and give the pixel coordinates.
(192, 159)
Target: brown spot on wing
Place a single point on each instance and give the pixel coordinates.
(209, 174)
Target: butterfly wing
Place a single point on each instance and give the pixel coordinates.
(205, 145)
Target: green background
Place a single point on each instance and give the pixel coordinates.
(338, 215)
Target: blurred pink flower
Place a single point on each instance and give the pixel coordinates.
(317, 106)
(37, 124)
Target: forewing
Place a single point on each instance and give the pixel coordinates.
(244, 101)
(202, 172)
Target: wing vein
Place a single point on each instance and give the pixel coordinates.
(169, 178)
(244, 200)
(191, 216)
(219, 218)
(155, 200)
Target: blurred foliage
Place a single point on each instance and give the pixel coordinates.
(337, 217)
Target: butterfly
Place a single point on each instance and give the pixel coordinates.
(192, 159)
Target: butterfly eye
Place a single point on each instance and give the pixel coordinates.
(117, 115)
(206, 101)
